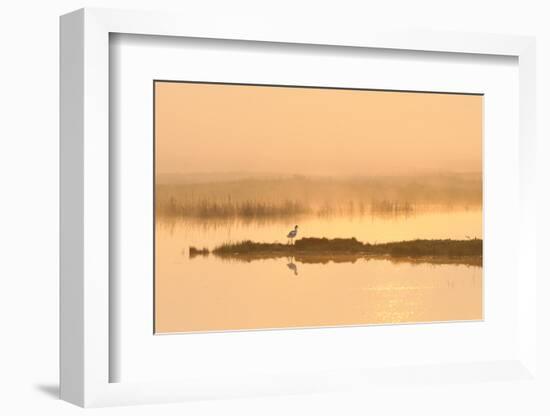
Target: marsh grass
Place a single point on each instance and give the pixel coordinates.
(438, 251)
(295, 197)
(248, 209)
(352, 245)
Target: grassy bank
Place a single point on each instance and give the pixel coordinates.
(317, 249)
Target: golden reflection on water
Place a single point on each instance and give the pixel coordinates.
(428, 225)
(207, 293)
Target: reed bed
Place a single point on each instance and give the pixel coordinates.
(257, 199)
(472, 247)
(205, 208)
(435, 251)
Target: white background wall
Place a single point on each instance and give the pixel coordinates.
(29, 195)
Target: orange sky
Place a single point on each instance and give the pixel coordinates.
(210, 128)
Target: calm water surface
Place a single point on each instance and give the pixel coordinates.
(206, 293)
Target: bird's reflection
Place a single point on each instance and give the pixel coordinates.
(292, 266)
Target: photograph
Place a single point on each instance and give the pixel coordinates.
(290, 206)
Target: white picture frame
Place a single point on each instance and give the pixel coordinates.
(85, 220)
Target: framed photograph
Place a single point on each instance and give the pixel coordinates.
(386, 187)
(262, 211)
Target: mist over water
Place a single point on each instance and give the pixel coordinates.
(207, 293)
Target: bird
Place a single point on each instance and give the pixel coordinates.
(292, 234)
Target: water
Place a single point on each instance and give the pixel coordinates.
(207, 293)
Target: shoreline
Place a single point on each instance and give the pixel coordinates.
(323, 250)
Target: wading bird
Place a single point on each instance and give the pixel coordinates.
(291, 235)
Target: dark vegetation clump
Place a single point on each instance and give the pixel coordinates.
(251, 247)
(325, 244)
(414, 248)
(194, 251)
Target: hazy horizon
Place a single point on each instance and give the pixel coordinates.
(307, 131)
(223, 176)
